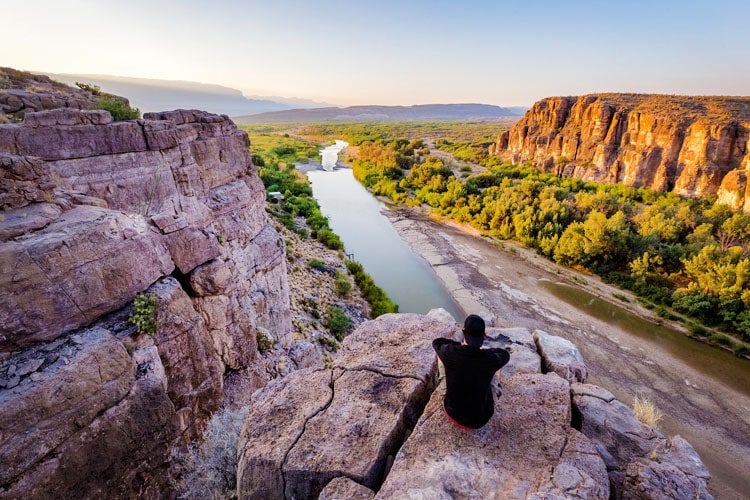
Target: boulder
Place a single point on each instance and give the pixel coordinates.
(363, 425)
(63, 424)
(674, 473)
(560, 356)
(395, 345)
(528, 437)
(618, 435)
(346, 421)
(276, 421)
(343, 488)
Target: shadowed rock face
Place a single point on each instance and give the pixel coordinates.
(95, 212)
(363, 427)
(693, 146)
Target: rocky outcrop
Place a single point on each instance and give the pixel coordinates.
(641, 462)
(528, 450)
(95, 212)
(374, 422)
(316, 425)
(694, 146)
(22, 92)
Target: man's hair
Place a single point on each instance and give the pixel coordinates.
(474, 330)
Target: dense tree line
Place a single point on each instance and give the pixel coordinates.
(691, 255)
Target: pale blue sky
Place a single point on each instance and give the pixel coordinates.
(393, 52)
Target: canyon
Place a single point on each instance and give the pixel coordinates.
(100, 217)
(693, 146)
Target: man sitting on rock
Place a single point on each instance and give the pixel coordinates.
(469, 369)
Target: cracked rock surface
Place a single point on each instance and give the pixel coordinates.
(528, 449)
(357, 415)
(373, 424)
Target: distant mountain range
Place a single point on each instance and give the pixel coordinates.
(160, 95)
(387, 113)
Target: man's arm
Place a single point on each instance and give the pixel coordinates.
(502, 356)
(440, 344)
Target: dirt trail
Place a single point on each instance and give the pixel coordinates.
(505, 286)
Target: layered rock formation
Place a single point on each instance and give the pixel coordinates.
(694, 146)
(373, 426)
(22, 92)
(95, 212)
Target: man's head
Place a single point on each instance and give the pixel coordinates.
(474, 330)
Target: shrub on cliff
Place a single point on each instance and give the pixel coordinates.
(330, 239)
(316, 264)
(343, 285)
(379, 302)
(119, 110)
(337, 322)
(143, 316)
(210, 469)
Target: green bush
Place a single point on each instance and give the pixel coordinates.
(697, 329)
(332, 344)
(379, 302)
(143, 316)
(118, 109)
(665, 313)
(741, 350)
(621, 297)
(258, 161)
(330, 239)
(316, 264)
(720, 338)
(264, 343)
(343, 285)
(337, 322)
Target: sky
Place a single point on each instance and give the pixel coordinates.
(393, 52)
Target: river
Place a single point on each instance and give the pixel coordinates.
(357, 217)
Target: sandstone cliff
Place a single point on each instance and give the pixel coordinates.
(95, 212)
(694, 146)
(372, 426)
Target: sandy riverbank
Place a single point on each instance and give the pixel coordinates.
(505, 287)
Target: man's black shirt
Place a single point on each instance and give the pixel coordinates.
(468, 378)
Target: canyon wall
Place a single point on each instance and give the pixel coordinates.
(693, 146)
(95, 212)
